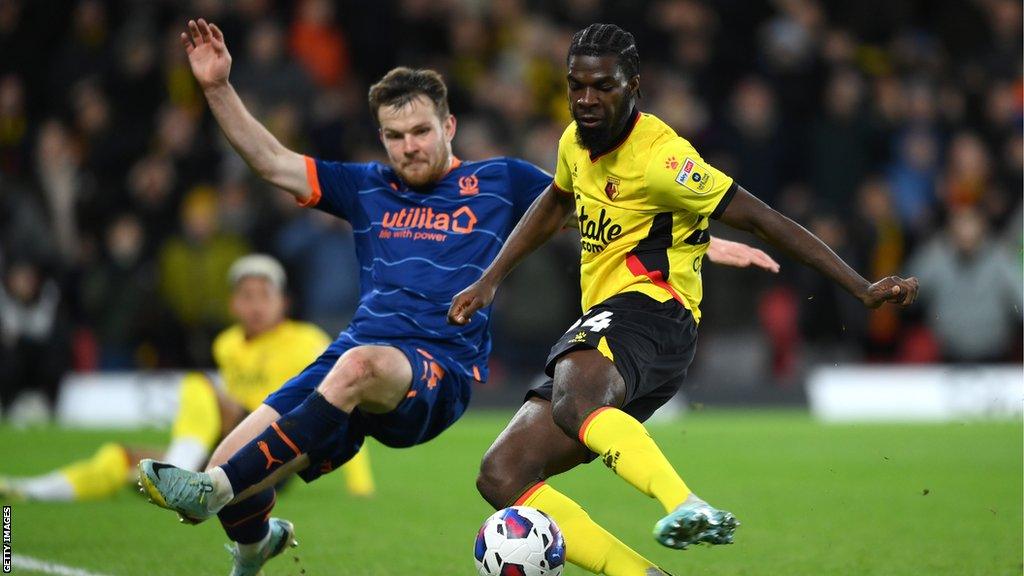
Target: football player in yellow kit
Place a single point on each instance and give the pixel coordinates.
(643, 198)
(254, 357)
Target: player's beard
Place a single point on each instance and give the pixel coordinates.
(426, 176)
(598, 139)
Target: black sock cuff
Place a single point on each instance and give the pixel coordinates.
(246, 522)
(317, 404)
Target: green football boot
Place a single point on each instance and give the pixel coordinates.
(695, 522)
(282, 535)
(183, 491)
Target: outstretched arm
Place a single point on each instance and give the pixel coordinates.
(738, 254)
(546, 216)
(728, 253)
(211, 64)
(745, 212)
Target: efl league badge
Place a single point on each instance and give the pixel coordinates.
(695, 177)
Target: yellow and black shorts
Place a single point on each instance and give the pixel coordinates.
(651, 344)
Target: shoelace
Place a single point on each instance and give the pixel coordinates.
(180, 484)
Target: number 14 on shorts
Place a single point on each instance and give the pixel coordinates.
(595, 323)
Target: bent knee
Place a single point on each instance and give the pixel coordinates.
(584, 382)
(375, 378)
(502, 479)
(351, 374)
(489, 486)
(568, 415)
(359, 365)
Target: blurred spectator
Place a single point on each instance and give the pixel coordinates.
(58, 168)
(33, 333)
(193, 266)
(680, 108)
(24, 230)
(912, 178)
(238, 211)
(104, 148)
(14, 36)
(318, 44)
(789, 40)
(136, 72)
(1013, 167)
(831, 321)
(968, 168)
(879, 231)
(320, 250)
(972, 289)
(266, 74)
(151, 182)
(119, 296)
(477, 140)
(882, 241)
(1004, 18)
(181, 87)
(839, 144)
(757, 140)
(14, 133)
(421, 29)
(177, 136)
(84, 52)
(541, 146)
(525, 324)
(471, 50)
(338, 119)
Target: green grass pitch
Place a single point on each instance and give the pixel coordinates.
(813, 500)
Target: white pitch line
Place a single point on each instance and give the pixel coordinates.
(29, 563)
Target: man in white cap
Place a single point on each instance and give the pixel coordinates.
(254, 357)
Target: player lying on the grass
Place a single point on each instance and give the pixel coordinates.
(426, 224)
(253, 357)
(643, 198)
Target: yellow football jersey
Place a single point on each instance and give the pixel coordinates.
(643, 210)
(252, 369)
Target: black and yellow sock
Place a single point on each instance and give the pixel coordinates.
(587, 544)
(624, 445)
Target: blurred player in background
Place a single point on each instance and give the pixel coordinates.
(643, 197)
(425, 224)
(254, 357)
